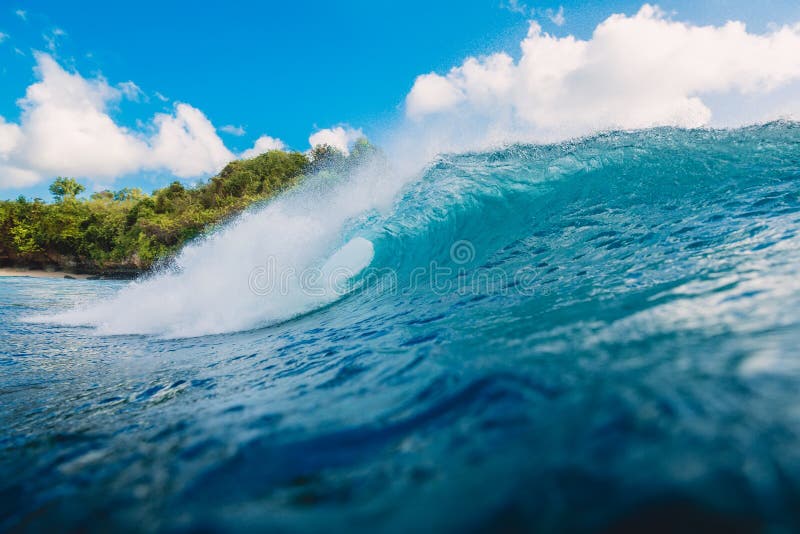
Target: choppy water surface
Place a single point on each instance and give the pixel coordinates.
(610, 339)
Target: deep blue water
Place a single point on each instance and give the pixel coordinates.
(611, 340)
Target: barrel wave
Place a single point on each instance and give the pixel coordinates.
(606, 326)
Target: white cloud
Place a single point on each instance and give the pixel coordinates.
(635, 72)
(131, 91)
(263, 144)
(233, 130)
(21, 14)
(161, 97)
(16, 177)
(51, 39)
(515, 6)
(557, 17)
(432, 93)
(10, 139)
(65, 128)
(3, 36)
(187, 143)
(341, 137)
(10, 136)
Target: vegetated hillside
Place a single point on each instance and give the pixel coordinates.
(125, 232)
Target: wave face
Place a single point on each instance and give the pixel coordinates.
(608, 325)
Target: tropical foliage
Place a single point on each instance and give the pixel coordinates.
(129, 230)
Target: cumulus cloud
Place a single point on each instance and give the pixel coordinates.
(634, 72)
(263, 144)
(10, 136)
(10, 139)
(187, 143)
(66, 128)
(233, 130)
(341, 137)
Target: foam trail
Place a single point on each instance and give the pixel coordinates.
(250, 273)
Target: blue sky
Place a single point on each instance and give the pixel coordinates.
(286, 69)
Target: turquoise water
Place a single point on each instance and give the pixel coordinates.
(596, 334)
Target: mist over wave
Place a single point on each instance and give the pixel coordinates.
(208, 287)
(406, 221)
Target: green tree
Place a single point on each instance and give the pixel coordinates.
(363, 150)
(129, 193)
(326, 157)
(104, 195)
(65, 188)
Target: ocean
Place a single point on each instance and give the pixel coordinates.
(600, 334)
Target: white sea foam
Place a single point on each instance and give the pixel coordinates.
(270, 264)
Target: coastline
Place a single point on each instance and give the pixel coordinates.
(38, 273)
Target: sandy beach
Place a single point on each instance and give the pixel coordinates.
(33, 273)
